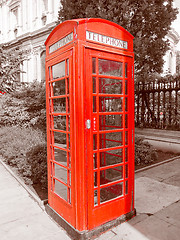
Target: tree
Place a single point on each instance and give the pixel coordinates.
(147, 20)
(10, 61)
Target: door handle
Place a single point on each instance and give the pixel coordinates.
(88, 123)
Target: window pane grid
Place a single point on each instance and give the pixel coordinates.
(59, 113)
(103, 98)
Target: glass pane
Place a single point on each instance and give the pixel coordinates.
(126, 121)
(67, 67)
(110, 104)
(93, 65)
(110, 86)
(69, 158)
(110, 68)
(94, 104)
(60, 189)
(68, 120)
(126, 154)
(111, 157)
(126, 70)
(126, 104)
(95, 179)
(126, 87)
(94, 141)
(126, 185)
(60, 173)
(94, 85)
(60, 139)
(111, 175)
(67, 85)
(126, 170)
(126, 137)
(59, 87)
(95, 197)
(111, 192)
(58, 70)
(59, 105)
(60, 122)
(110, 122)
(68, 142)
(68, 105)
(60, 156)
(69, 200)
(113, 139)
(69, 181)
(95, 160)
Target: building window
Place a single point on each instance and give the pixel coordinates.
(14, 9)
(170, 61)
(44, 5)
(43, 56)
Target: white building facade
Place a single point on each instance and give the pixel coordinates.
(26, 24)
(170, 58)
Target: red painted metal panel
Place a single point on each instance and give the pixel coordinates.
(121, 203)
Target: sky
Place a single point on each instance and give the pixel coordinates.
(176, 23)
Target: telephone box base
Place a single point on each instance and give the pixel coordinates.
(87, 234)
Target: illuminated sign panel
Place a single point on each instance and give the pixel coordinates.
(96, 37)
(61, 43)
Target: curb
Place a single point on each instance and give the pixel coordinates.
(157, 164)
(40, 202)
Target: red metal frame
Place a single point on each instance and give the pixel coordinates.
(99, 213)
(79, 207)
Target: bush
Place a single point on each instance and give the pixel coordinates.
(26, 106)
(37, 160)
(15, 143)
(144, 152)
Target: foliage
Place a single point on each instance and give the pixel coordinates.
(15, 143)
(26, 106)
(9, 68)
(148, 21)
(144, 152)
(37, 160)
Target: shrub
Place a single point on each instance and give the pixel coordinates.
(37, 160)
(13, 112)
(15, 143)
(26, 106)
(144, 152)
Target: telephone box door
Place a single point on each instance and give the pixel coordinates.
(60, 136)
(109, 135)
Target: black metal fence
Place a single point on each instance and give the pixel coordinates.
(157, 104)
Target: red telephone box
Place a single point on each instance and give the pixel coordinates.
(90, 122)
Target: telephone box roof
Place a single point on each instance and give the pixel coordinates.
(80, 21)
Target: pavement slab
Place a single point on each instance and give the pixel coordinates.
(174, 180)
(163, 171)
(156, 229)
(171, 214)
(126, 231)
(150, 191)
(37, 226)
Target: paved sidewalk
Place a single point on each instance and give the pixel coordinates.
(157, 201)
(21, 218)
(157, 204)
